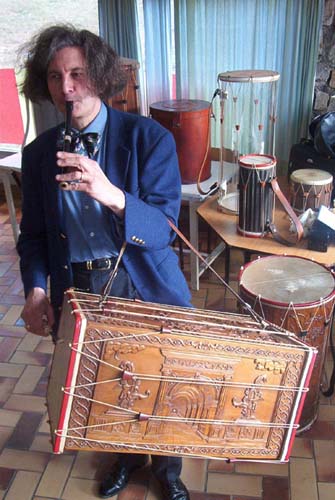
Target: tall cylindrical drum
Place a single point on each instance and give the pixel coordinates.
(189, 122)
(256, 200)
(248, 115)
(296, 294)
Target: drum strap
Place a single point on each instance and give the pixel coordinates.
(214, 186)
(245, 305)
(289, 210)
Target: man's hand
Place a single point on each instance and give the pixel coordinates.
(83, 174)
(38, 313)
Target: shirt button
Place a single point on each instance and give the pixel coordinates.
(92, 234)
(87, 207)
(66, 267)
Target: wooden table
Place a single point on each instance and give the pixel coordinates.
(226, 227)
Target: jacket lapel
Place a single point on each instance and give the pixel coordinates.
(117, 154)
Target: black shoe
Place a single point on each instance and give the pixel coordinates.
(174, 490)
(116, 480)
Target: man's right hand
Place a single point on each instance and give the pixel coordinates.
(37, 313)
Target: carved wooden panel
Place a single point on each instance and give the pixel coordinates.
(165, 380)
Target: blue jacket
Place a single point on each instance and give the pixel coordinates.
(142, 161)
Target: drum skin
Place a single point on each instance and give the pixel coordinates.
(130, 376)
(298, 295)
(310, 188)
(189, 122)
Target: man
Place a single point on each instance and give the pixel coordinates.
(124, 192)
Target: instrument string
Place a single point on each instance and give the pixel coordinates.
(182, 380)
(187, 420)
(204, 336)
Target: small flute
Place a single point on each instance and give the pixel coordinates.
(67, 136)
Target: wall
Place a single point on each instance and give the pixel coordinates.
(324, 95)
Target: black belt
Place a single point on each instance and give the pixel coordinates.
(102, 264)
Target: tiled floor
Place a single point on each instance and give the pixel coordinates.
(29, 470)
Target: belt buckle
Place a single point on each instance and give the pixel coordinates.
(89, 265)
(109, 264)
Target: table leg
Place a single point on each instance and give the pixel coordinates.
(6, 177)
(194, 239)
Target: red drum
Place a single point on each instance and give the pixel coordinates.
(130, 376)
(297, 294)
(256, 200)
(310, 188)
(189, 122)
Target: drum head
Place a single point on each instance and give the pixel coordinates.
(257, 161)
(180, 105)
(252, 75)
(311, 177)
(284, 280)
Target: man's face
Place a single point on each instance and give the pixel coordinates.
(68, 81)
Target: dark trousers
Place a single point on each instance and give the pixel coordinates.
(164, 468)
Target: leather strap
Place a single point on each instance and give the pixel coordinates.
(257, 317)
(289, 210)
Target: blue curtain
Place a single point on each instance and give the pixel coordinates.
(210, 37)
(158, 49)
(217, 36)
(118, 25)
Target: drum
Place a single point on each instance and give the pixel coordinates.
(189, 122)
(256, 196)
(297, 294)
(310, 188)
(248, 118)
(130, 376)
(128, 99)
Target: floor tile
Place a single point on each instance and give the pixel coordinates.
(9, 418)
(21, 402)
(303, 479)
(26, 460)
(29, 379)
(326, 491)
(234, 484)
(23, 485)
(83, 489)
(324, 457)
(6, 476)
(55, 476)
(24, 432)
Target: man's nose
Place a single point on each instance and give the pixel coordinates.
(67, 84)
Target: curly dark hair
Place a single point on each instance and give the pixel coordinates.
(105, 73)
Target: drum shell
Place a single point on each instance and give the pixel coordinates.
(256, 197)
(189, 122)
(310, 321)
(304, 195)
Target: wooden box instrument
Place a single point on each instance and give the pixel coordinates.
(130, 376)
(128, 99)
